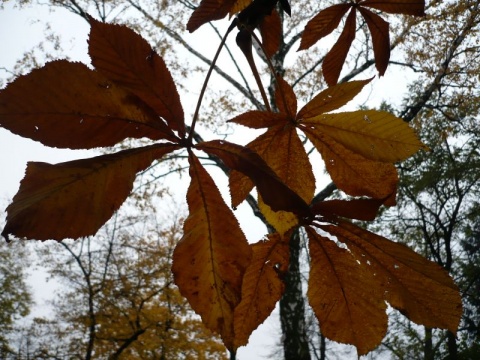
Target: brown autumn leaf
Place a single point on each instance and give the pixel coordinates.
(209, 10)
(376, 135)
(262, 285)
(421, 289)
(271, 30)
(274, 192)
(333, 62)
(285, 99)
(67, 105)
(360, 209)
(328, 19)
(371, 178)
(127, 59)
(379, 29)
(75, 198)
(331, 99)
(210, 260)
(347, 299)
(323, 24)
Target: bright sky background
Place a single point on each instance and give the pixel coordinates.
(19, 32)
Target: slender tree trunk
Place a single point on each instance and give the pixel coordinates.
(323, 347)
(428, 348)
(452, 346)
(292, 308)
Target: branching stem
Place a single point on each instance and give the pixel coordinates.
(205, 83)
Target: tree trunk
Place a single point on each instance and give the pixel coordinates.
(428, 348)
(452, 346)
(292, 308)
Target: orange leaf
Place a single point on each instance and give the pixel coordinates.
(127, 59)
(75, 198)
(421, 289)
(408, 7)
(360, 209)
(380, 39)
(262, 285)
(78, 109)
(274, 192)
(332, 98)
(285, 98)
(376, 135)
(239, 6)
(345, 296)
(352, 173)
(209, 10)
(323, 24)
(210, 260)
(240, 186)
(333, 62)
(271, 30)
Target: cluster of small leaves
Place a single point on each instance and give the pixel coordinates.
(231, 284)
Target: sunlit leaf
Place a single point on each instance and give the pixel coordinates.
(376, 135)
(408, 7)
(346, 297)
(421, 289)
(379, 29)
(323, 24)
(262, 285)
(274, 192)
(67, 105)
(333, 62)
(75, 198)
(282, 221)
(127, 59)
(211, 258)
(332, 98)
(371, 178)
(239, 6)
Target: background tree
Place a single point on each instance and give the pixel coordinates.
(117, 298)
(15, 295)
(359, 62)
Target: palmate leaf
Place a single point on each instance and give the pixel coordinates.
(67, 105)
(75, 198)
(421, 289)
(407, 7)
(210, 260)
(262, 285)
(128, 60)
